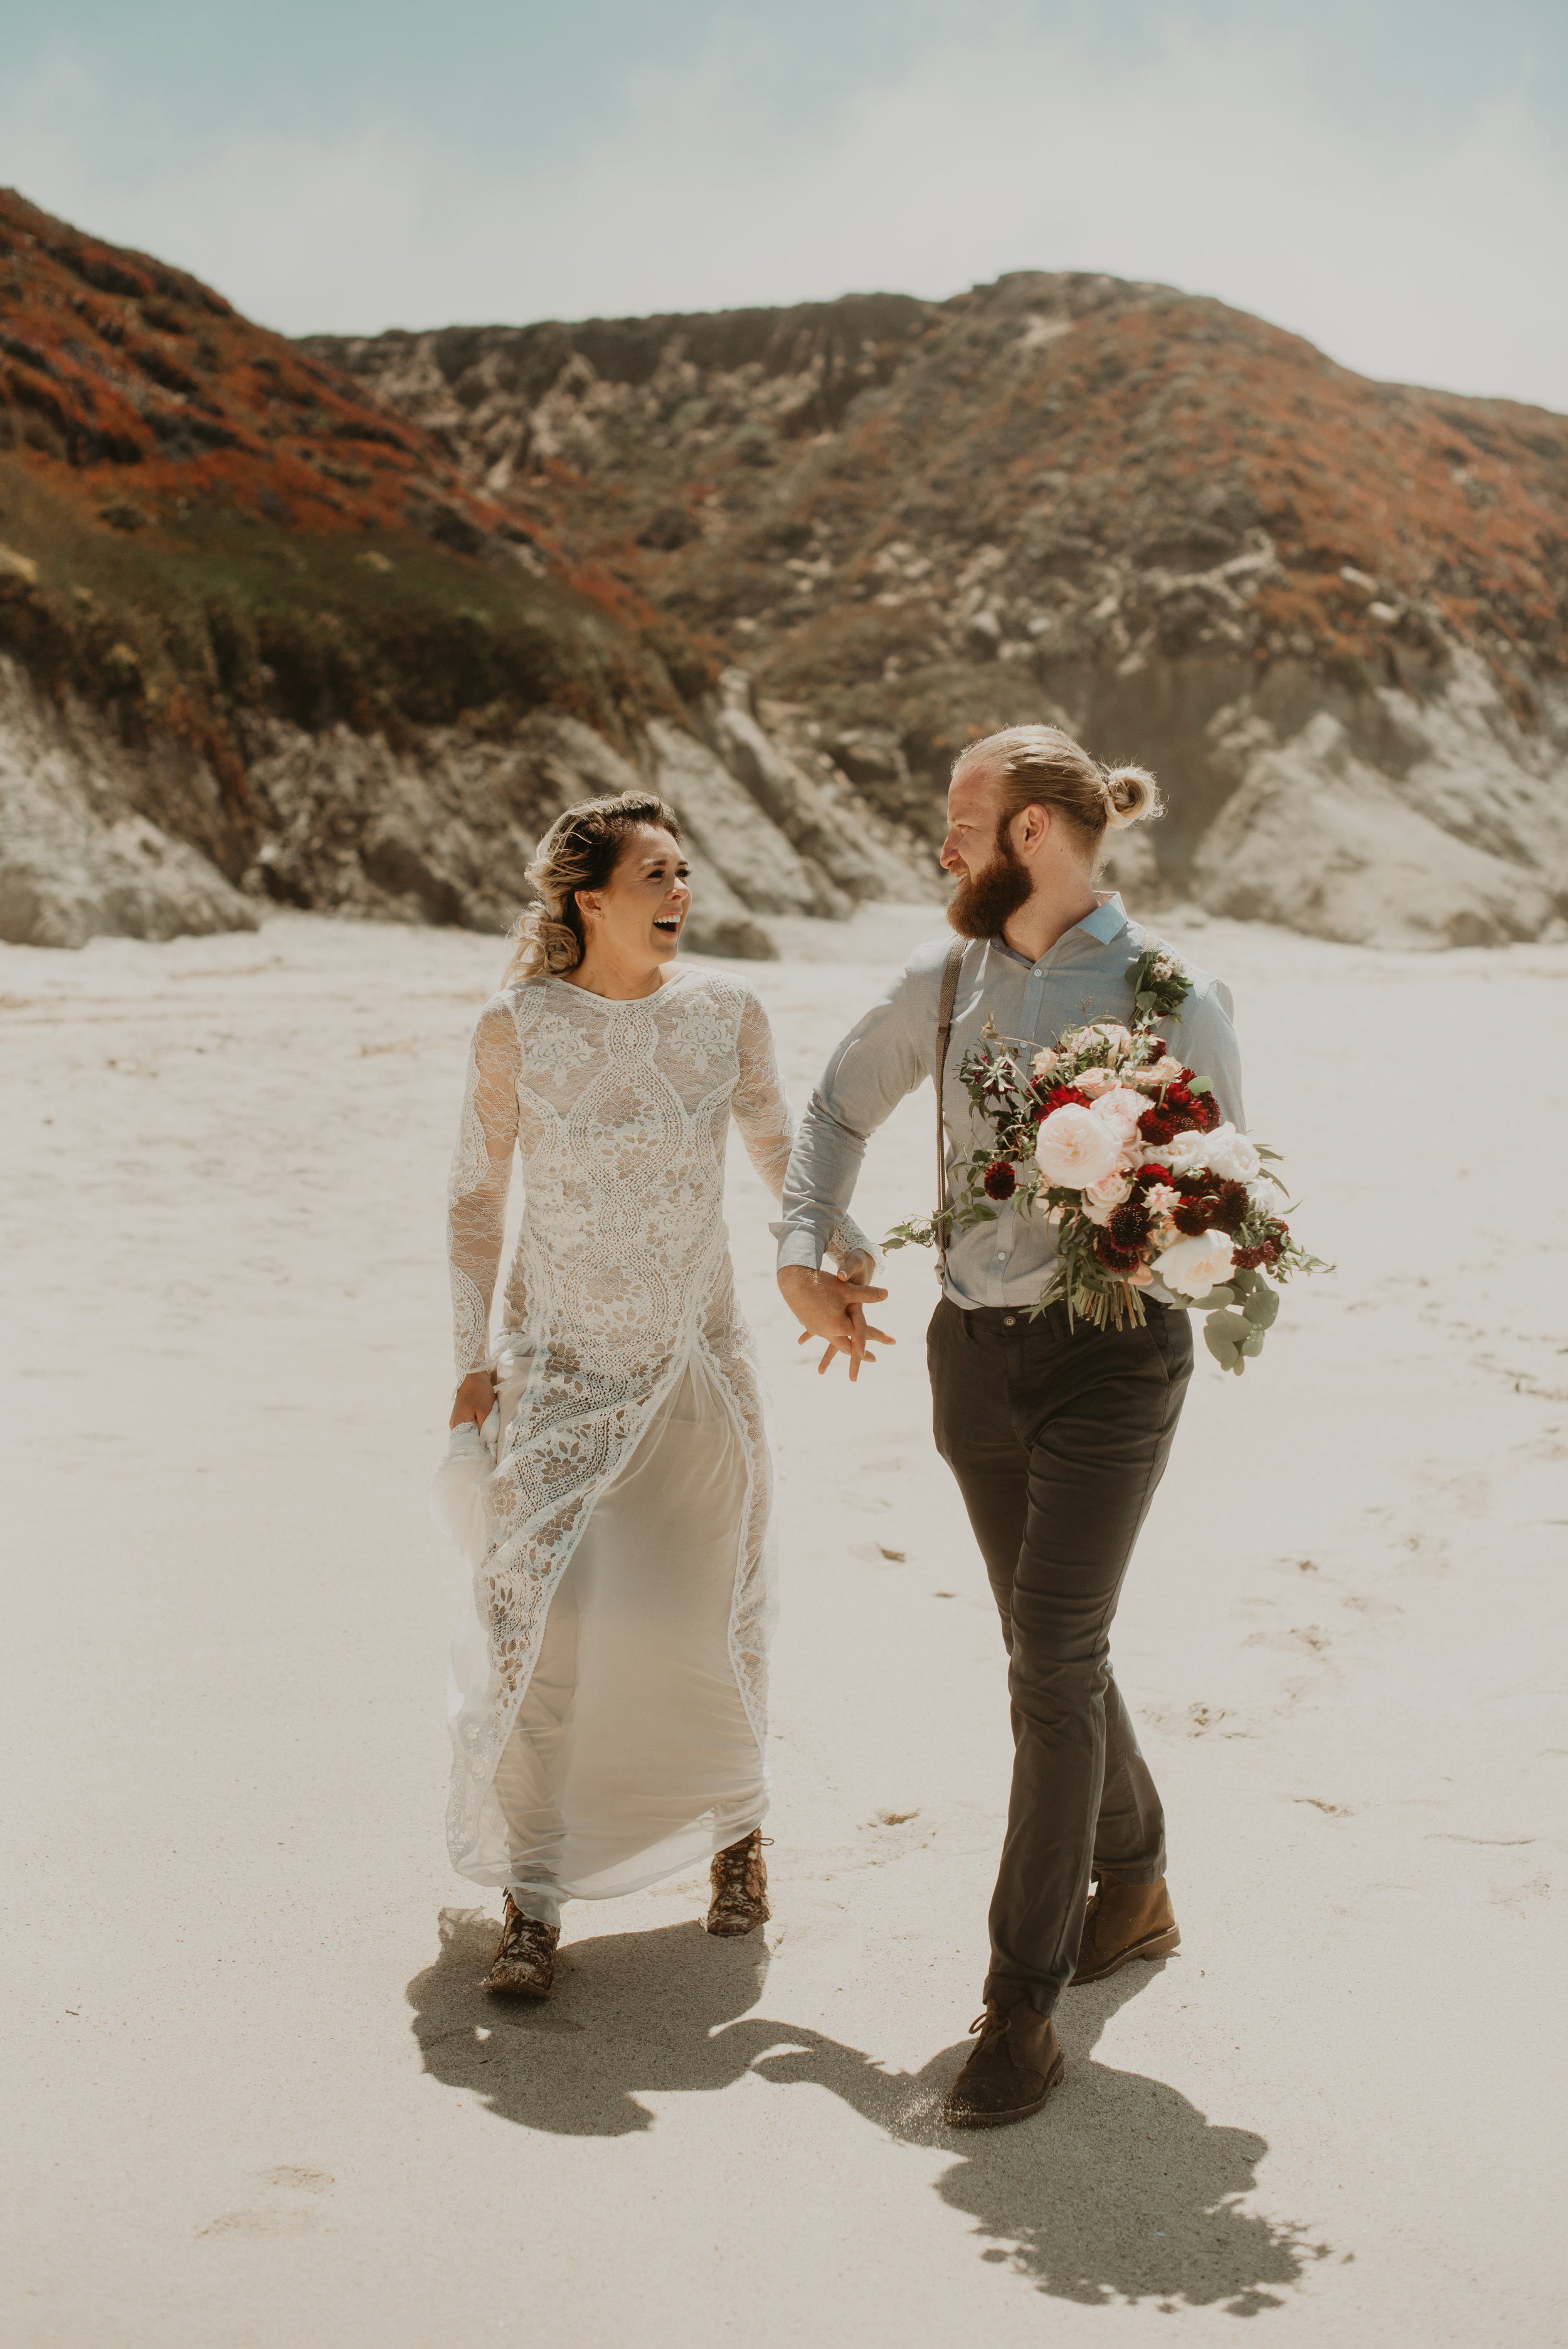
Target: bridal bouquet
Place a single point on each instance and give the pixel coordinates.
(1123, 1151)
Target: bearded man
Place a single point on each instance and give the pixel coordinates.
(1058, 1436)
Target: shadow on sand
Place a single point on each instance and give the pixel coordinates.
(1123, 2191)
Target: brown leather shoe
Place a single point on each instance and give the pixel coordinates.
(739, 1879)
(1124, 1921)
(525, 1962)
(1012, 2072)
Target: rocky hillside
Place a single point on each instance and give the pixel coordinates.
(1332, 614)
(261, 638)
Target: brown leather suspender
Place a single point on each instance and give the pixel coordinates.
(943, 1029)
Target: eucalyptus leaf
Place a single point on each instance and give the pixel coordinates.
(1231, 1327)
(1261, 1309)
(1253, 1345)
(1219, 1346)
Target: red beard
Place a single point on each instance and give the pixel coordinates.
(983, 902)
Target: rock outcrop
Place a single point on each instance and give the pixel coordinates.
(1332, 614)
(439, 830)
(263, 640)
(78, 857)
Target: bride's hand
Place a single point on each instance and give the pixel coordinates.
(474, 1400)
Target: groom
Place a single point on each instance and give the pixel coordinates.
(1058, 1439)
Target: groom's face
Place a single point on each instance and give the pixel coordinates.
(992, 879)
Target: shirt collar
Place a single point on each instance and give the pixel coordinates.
(1107, 921)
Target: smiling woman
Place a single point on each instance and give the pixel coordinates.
(608, 1475)
(612, 891)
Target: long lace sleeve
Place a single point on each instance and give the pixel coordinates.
(480, 1176)
(767, 1123)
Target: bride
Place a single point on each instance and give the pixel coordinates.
(608, 1475)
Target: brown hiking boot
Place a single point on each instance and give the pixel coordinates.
(739, 1881)
(1012, 2072)
(1124, 1921)
(525, 1962)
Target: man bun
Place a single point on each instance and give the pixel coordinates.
(1131, 795)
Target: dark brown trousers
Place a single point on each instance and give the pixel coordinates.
(1058, 1442)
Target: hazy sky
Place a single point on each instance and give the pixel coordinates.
(1388, 177)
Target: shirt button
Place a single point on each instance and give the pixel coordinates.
(1008, 1320)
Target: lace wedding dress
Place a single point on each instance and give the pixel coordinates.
(608, 1694)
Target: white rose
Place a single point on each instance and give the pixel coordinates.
(1231, 1155)
(1122, 1108)
(1074, 1147)
(1192, 1267)
(1184, 1154)
(1108, 1191)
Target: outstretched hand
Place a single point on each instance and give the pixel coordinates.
(832, 1306)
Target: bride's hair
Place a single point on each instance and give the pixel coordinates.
(1039, 766)
(580, 851)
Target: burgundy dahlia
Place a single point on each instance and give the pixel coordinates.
(1001, 1179)
(1063, 1097)
(1230, 1209)
(1158, 1048)
(1191, 1217)
(1249, 1259)
(1157, 1127)
(1147, 1177)
(1114, 1258)
(1129, 1224)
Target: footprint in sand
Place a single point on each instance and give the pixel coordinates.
(289, 2206)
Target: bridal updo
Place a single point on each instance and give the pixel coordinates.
(580, 851)
(1039, 766)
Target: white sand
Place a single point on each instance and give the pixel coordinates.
(255, 2097)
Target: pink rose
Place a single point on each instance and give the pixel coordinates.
(1160, 1197)
(1076, 1147)
(1106, 1192)
(1120, 1108)
(1101, 1033)
(1046, 1062)
(1095, 1080)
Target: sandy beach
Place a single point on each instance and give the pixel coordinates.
(254, 2094)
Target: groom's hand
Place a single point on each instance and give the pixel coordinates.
(833, 1305)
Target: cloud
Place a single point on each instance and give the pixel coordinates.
(1215, 164)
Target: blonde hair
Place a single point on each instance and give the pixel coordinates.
(580, 851)
(1039, 766)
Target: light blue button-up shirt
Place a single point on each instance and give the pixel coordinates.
(893, 1050)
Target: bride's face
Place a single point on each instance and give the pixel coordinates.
(641, 910)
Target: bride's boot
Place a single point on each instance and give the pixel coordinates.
(739, 1881)
(525, 1962)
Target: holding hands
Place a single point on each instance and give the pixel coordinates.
(832, 1305)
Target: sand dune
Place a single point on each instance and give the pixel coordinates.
(256, 2094)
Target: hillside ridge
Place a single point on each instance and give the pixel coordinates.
(345, 621)
(1183, 532)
